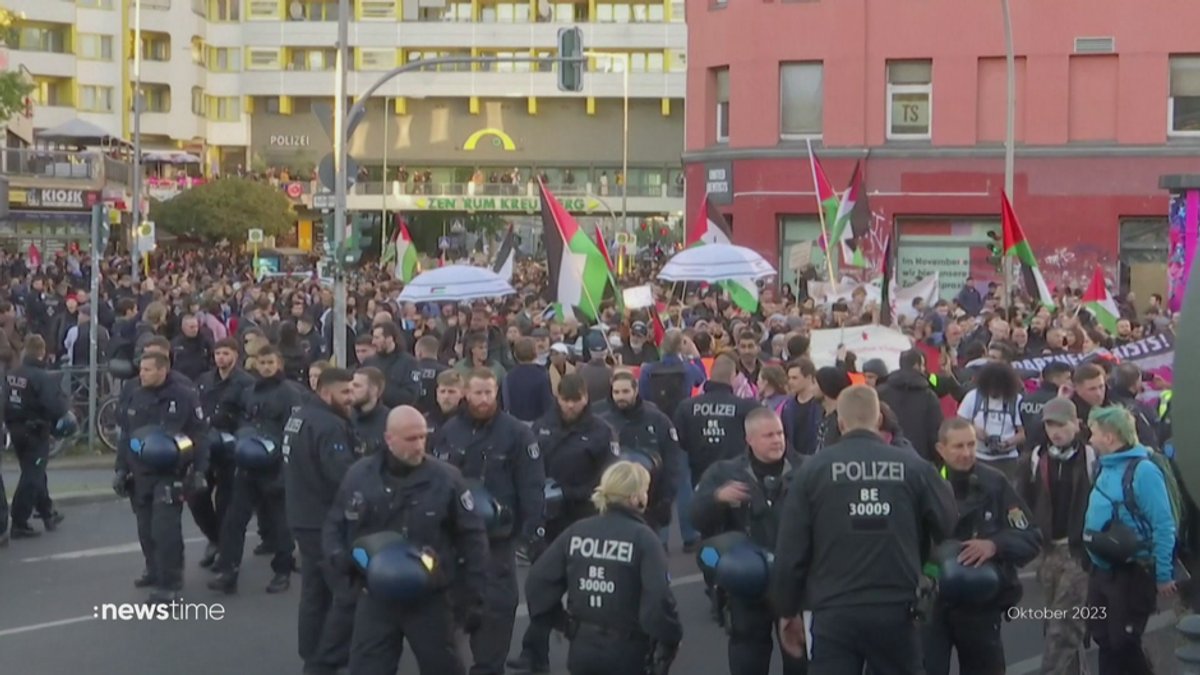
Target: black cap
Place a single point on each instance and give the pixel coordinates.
(638, 328)
(595, 342)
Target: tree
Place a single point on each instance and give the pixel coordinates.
(226, 208)
(14, 87)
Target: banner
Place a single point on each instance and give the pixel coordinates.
(928, 288)
(867, 342)
(1155, 352)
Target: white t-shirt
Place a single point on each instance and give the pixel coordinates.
(994, 417)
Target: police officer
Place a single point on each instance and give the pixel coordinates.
(997, 533)
(4, 367)
(370, 414)
(855, 521)
(620, 611)
(644, 429)
(744, 494)
(576, 447)
(220, 389)
(157, 492)
(428, 369)
(400, 371)
(267, 407)
(319, 447)
(439, 518)
(448, 404)
(490, 446)
(34, 406)
(711, 426)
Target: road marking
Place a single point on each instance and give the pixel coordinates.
(1034, 663)
(120, 549)
(42, 626)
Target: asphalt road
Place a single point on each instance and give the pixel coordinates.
(51, 587)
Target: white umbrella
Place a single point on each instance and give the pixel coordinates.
(715, 262)
(455, 283)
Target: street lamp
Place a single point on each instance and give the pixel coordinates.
(1010, 133)
(137, 136)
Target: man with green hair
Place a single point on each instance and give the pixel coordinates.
(1129, 533)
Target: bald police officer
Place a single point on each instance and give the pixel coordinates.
(856, 523)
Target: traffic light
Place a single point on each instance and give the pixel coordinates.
(570, 72)
(359, 240)
(995, 255)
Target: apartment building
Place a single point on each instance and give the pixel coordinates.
(236, 83)
(1107, 99)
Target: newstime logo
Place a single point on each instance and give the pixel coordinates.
(176, 610)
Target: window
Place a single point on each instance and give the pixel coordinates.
(376, 10)
(51, 91)
(94, 4)
(313, 59)
(36, 39)
(156, 48)
(910, 100)
(800, 92)
(504, 12)
(157, 98)
(198, 108)
(224, 59)
(312, 10)
(796, 230)
(95, 47)
(262, 59)
(263, 9)
(95, 99)
(561, 12)
(1183, 108)
(502, 66)
(376, 59)
(447, 67)
(224, 109)
(722, 99)
(225, 10)
(677, 11)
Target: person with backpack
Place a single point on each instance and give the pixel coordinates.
(1129, 534)
(992, 407)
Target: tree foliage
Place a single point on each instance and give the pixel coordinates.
(13, 85)
(226, 208)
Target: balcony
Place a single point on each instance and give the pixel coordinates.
(46, 64)
(46, 11)
(54, 168)
(588, 198)
(458, 84)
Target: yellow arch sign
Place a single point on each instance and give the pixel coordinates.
(504, 138)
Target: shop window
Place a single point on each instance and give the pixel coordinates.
(794, 230)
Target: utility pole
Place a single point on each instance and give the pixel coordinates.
(134, 255)
(1010, 133)
(339, 186)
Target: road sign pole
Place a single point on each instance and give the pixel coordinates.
(339, 183)
(94, 324)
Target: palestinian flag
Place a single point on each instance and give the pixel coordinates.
(827, 201)
(1097, 300)
(1015, 245)
(885, 288)
(844, 231)
(404, 251)
(656, 320)
(612, 278)
(506, 256)
(710, 227)
(578, 273)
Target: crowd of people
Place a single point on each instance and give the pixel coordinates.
(458, 439)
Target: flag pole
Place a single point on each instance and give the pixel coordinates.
(821, 215)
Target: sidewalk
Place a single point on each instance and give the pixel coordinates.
(73, 479)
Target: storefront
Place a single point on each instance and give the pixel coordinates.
(48, 218)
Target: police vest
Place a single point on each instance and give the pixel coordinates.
(1164, 404)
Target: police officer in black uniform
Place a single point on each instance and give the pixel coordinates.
(426, 501)
(857, 520)
(370, 414)
(996, 531)
(219, 389)
(449, 402)
(643, 430)
(157, 493)
(4, 534)
(400, 372)
(428, 369)
(266, 408)
(319, 446)
(34, 405)
(745, 494)
(576, 447)
(620, 614)
(492, 447)
(712, 425)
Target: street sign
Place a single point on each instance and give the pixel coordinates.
(471, 204)
(444, 243)
(146, 236)
(325, 172)
(322, 200)
(254, 236)
(457, 226)
(624, 238)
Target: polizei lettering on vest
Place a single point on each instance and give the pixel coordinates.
(714, 409)
(601, 549)
(868, 471)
